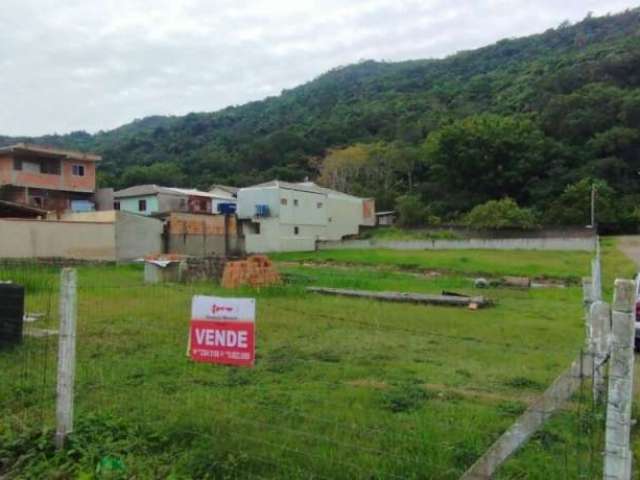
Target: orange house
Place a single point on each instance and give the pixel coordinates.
(47, 178)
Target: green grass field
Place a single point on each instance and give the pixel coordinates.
(343, 388)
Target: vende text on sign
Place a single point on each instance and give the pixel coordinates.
(223, 330)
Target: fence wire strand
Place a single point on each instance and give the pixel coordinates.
(306, 409)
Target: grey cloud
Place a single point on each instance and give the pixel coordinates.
(81, 64)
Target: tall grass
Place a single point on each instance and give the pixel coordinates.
(342, 388)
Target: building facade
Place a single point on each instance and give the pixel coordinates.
(282, 216)
(48, 178)
(151, 199)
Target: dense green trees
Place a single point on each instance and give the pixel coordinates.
(527, 119)
(486, 156)
(500, 214)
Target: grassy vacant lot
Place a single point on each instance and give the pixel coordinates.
(570, 266)
(343, 388)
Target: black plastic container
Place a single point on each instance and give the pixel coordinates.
(11, 314)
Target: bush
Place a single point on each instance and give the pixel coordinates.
(412, 212)
(498, 214)
(573, 206)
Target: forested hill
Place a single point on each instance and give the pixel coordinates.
(526, 118)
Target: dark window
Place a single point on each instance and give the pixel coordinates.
(283, 201)
(116, 205)
(52, 167)
(296, 230)
(142, 205)
(295, 202)
(78, 170)
(17, 164)
(319, 204)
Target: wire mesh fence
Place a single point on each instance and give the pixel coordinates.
(342, 388)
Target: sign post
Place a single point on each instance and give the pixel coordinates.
(223, 330)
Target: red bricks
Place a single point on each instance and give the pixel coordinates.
(255, 271)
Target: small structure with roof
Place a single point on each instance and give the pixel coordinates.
(386, 218)
(154, 199)
(284, 216)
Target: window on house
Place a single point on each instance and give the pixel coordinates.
(17, 164)
(296, 230)
(183, 202)
(31, 166)
(142, 205)
(295, 202)
(116, 205)
(52, 167)
(319, 204)
(283, 201)
(77, 170)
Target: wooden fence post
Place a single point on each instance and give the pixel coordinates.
(66, 356)
(617, 460)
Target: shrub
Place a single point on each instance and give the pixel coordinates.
(498, 214)
(412, 212)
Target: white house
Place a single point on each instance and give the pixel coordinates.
(150, 199)
(282, 216)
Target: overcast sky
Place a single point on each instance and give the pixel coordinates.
(96, 64)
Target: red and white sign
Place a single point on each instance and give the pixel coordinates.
(223, 330)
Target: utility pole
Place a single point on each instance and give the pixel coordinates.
(593, 206)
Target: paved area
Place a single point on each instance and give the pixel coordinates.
(630, 246)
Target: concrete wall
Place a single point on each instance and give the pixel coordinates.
(137, 236)
(302, 208)
(104, 199)
(106, 216)
(345, 217)
(41, 238)
(248, 198)
(203, 235)
(90, 236)
(575, 243)
(275, 237)
(461, 232)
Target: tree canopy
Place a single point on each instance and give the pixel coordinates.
(523, 118)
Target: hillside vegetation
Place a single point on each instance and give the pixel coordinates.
(536, 119)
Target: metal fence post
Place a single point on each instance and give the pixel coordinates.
(66, 355)
(617, 460)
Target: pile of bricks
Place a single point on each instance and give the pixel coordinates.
(255, 271)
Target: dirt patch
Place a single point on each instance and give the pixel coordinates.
(367, 383)
(441, 390)
(429, 273)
